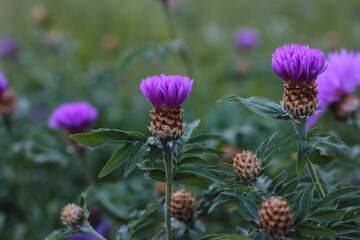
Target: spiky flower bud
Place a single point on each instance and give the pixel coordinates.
(166, 94)
(8, 103)
(183, 206)
(299, 66)
(300, 101)
(246, 165)
(275, 217)
(160, 188)
(72, 215)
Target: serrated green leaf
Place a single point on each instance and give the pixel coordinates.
(137, 153)
(107, 136)
(308, 230)
(288, 142)
(262, 106)
(117, 159)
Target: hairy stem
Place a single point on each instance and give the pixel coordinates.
(300, 127)
(90, 230)
(168, 152)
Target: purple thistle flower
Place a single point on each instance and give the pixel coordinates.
(75, 116)
(341, 77)
(100, 224)
(247, 38)
(3, 83)
(8, 47)
(298, 63)
(167, 91)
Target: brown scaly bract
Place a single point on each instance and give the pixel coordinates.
(8, 103)
(71, 215)
(246, 165)
(275, 217)
(300, 101)
(167, 123)
(183, 206)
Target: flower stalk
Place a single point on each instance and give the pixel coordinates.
(300, 127)
(88, 229)
(168, 153)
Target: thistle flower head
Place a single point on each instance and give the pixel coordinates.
(71, 215)
(74, 116)
(8, 47)
(341, 78)
(247, 38)
(298, 63)
(3, 83)
(166, 91)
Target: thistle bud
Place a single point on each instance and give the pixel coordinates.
(71, 215)
(246, 165)
(183, 206)
(346, 107)
(275, 217)
(8, 103)
(166, 94)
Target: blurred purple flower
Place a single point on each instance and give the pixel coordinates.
(3, 83)
(341, 77)
(167, 91)
(298, 63)
(8, 47)
(100, 224)
(247, 38)
(75, 116)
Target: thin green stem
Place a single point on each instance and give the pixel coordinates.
(85, 165)
(315, 179)
(88, 229)
(168, 152)
(300, 127)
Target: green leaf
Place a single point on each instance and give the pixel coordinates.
(288, 142)
(135, 156)
(313, 131)
(62, 234)
(261, 106)
(278, 180)
(107, 136)
(305, 149)
(190, 179)
(346, 231)
(327, 215)
(337, 194)
(289, 187)
(330, 140)
(82, 201)
(223, 237)
(155, 153)
(247, 208)
(317, 157)
(265, 150)
(199, 171)
(189, 128)
(202, 138)
(117, 159)
(314, 231)
(219, 200)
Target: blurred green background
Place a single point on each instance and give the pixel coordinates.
(100, 50)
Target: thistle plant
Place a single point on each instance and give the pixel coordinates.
(8, 102)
